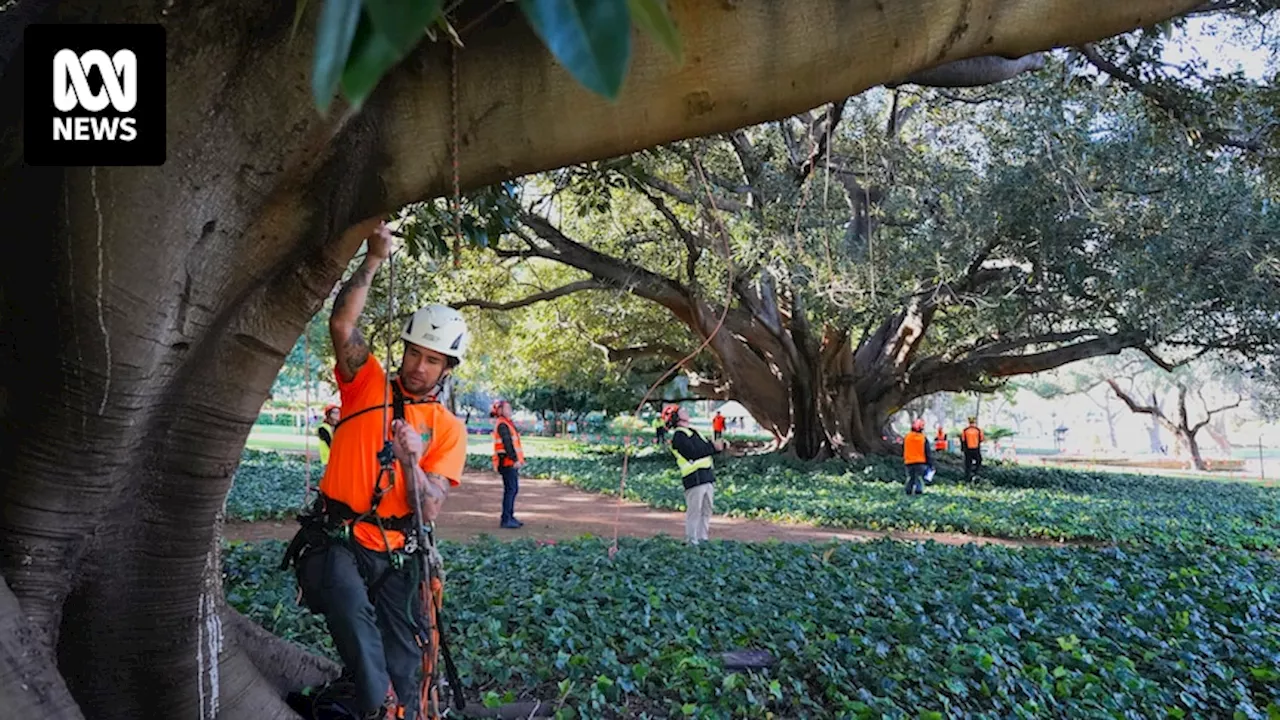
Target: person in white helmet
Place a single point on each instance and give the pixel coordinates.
(353, 566)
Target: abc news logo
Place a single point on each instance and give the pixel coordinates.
(95, 95)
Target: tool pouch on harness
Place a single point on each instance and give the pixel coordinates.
(313, 535)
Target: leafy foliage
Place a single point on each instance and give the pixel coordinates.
(1008, 501)
(358, 41)
(871, 630)
(269, 485)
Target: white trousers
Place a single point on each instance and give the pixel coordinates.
(697, 514)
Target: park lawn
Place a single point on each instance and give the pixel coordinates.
(1012, 502)
(860, 630)
(1009, 501)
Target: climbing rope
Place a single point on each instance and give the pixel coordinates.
(306, 408)
(457, 192)
(724, 312)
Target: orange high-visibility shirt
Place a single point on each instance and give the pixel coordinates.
(353, 459)
(913, 449)
(498, 449)
(973, 437)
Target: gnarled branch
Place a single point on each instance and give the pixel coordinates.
(543, 296)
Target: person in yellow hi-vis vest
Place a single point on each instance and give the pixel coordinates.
(508, 458)
(971, 439)
(697, 472)
(331, 415)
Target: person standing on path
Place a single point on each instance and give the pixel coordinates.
(697, 472)
(508, 458)
(660, 430)
(717, 426)
(917, 456)
(971, 439)
(331, 415)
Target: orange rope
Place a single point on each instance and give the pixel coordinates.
(626, 452)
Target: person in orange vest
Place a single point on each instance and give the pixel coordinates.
(940, 440)
(971, 439)
(917, 456)
(508, 458)
(355, 555)
(717, 426)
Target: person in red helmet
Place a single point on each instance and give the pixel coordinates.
(697, 472)
(508, 458)
(332, 414)
(917, 456)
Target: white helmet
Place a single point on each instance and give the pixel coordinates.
(440, 328)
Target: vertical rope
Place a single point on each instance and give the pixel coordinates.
(724, 313)
(866, 209)
(457, 192)
(306, 408)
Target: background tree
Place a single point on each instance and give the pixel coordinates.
(968, 242)
(147, 325)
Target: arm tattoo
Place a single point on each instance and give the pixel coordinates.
(355, 351)
(362, 277)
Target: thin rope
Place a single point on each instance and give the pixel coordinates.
(626, 451)
(306, 408)
(866, 209)
(457, 191)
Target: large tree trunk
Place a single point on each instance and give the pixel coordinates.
(158, 304)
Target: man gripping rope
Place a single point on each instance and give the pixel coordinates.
(355, 556)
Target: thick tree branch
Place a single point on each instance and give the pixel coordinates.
(973, 72)
(552, 294)
(819, 147)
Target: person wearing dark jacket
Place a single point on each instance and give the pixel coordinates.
(917, 456)
(697, 471)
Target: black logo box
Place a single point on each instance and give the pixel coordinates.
(41, 42)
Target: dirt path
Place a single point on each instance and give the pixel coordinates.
(552, 511)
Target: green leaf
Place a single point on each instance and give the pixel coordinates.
(372, 55)
(299, 9)
(590, 38)
(338, 21)
(402, 22)
(652, 16)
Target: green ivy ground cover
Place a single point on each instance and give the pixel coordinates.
(1014, 502)
(882, 629)
(1007, 502)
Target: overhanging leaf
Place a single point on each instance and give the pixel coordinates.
(402, 22)
(372, 55)
(338, 21)
(652, 16)
(590, 38)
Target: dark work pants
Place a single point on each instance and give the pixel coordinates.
(972, 461)
(510, 488)
(375, 640)
(915, 478)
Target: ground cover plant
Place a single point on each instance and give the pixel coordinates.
(883, 629)
(1007, 501)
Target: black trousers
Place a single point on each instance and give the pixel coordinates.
(972, 461)
(915, 478)
(510, 488)
(376, 637)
